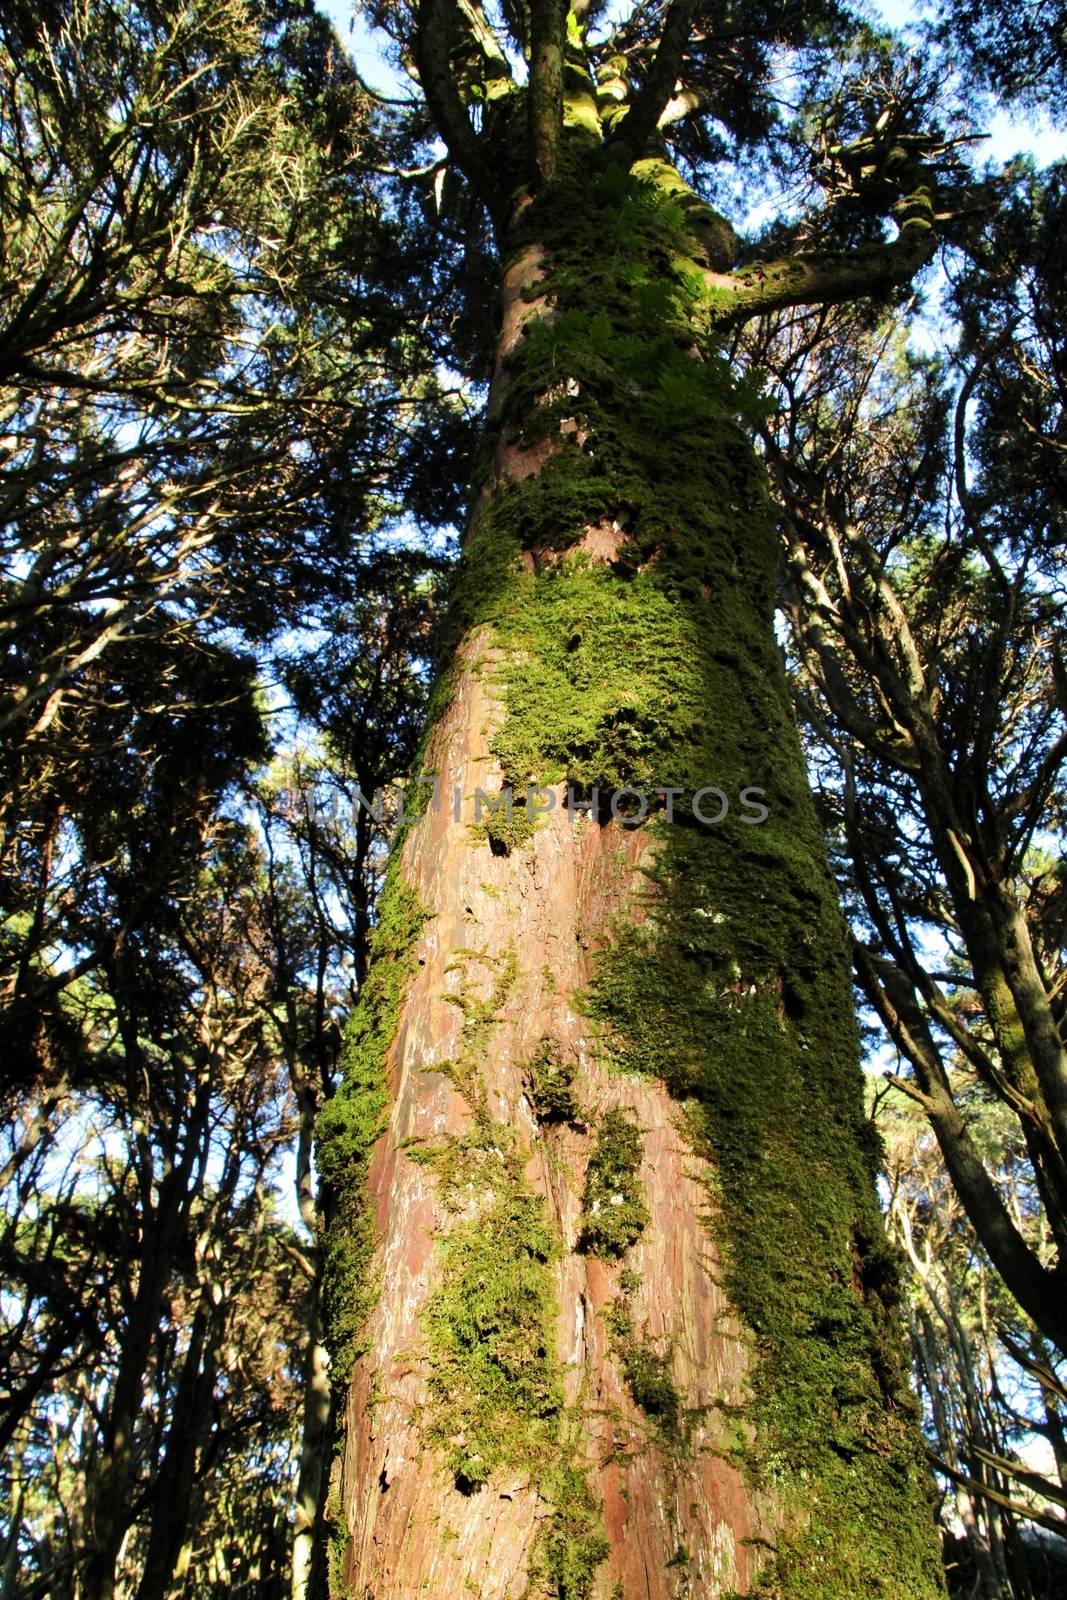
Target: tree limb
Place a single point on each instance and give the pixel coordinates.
(654, 95)
(829, 277)
(1037, 1289)
(544, 96)
(1054, 1524)
(432, 50)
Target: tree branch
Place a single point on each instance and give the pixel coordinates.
(1036, 1369)
(1034, 1481)
(432, 50)
(1041, 1518)
(544, 96)
(654, 95)
(1037, 1289)
(824, 279)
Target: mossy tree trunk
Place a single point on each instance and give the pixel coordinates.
(607, 1281)
(613, 1293)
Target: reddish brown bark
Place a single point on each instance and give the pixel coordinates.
(545, 903)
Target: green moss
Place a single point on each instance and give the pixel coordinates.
(602, 664)
(572, 1543)
(507, 824)
(549, 1080)
(567, 716)
(495, 1378)
(351, 1122)
(702, 225)
(480, 1016)
(614, 1213)
(647, 1372)
(338, 1543)
(544, 511)
(336, 1558)
(494, 1375)
(763, 1055)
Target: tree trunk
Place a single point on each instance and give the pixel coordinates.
(315, 1438)
(174, 1477)
(109, 1506)
(110, 1510)
(611, 1286)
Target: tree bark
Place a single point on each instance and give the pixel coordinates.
(315, 1439)
(631, 1332)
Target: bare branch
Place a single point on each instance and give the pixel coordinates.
(827, 278)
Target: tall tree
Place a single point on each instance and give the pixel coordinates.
(607, 1278)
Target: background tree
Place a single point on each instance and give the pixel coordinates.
(188, 340)
(984, 1410)
(157, 1297)
(1020, 55)
(199, 362)
(927, 632)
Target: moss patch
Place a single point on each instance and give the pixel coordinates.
(572, 1543)
(479, 1017)
(763, 1054)
(614, 1213)
(507, 824)
(494, 1373)
(338, 1540)
(646, 1371)
(549, 1080)
(495, 1377)
(496, 1381)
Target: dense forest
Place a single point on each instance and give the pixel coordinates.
(533, 991)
